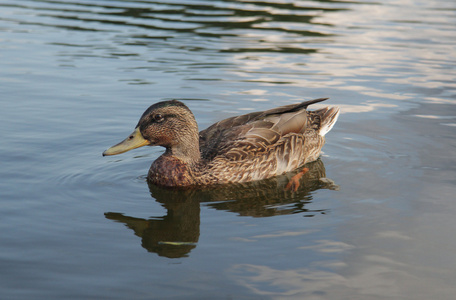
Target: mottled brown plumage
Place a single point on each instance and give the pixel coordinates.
(250, 147)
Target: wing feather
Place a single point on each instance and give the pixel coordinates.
(235, 137)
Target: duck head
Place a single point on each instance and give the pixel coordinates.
(170, 124)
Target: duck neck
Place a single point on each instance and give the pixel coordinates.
(187, 150)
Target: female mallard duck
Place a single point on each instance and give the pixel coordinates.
(250, 147)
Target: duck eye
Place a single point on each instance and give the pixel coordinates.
(158, 118)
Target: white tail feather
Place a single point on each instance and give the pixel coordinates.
(328, 119)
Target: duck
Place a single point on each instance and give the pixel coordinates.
(239, 149)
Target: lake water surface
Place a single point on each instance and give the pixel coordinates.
(75, 76)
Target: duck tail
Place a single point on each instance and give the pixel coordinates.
(328, 117)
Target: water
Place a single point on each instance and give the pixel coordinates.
(76, 75)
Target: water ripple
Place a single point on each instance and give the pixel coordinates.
(205, 18)
(310, 36)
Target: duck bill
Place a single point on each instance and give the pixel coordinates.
(133, 141)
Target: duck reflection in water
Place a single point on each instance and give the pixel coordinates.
(176, 234)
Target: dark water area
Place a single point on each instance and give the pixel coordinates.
(372, 219)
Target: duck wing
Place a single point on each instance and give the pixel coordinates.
(258, 130)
